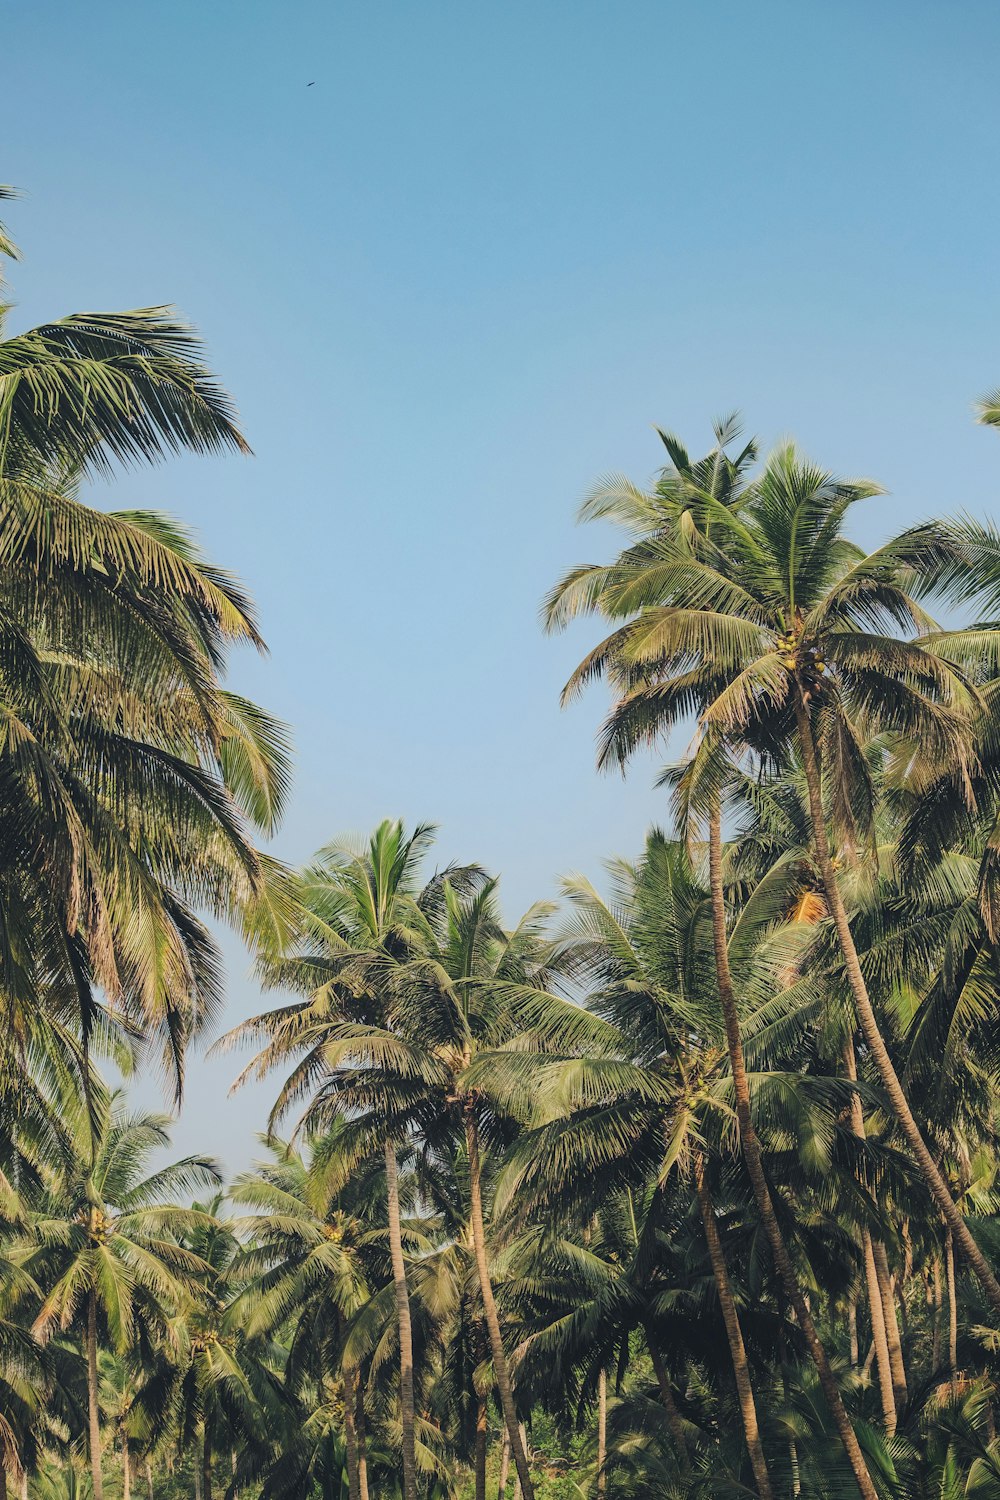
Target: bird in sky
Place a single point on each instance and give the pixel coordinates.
(310, 85)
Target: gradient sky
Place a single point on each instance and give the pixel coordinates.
(460, 278)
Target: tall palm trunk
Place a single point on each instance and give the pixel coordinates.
(730, 1317)
(93, 1409)
(405, 1327)
(753, 1158)
(361, 1428)
(504, 1464)
(852, 1329)
(500, 1370)
(149, 1480)
(876, 1306)
(893, 1341)
(936, 1339)
(481, 1447)
(350, 1415)
(126, 1472)
(869, 1024)
(602, 1434)
(206, 1465)
(880, 1346)
(523, 1432)
(674, 1422)
(949, 1267)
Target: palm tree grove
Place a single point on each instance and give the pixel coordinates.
(685, 1183)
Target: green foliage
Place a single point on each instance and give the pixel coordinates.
(517, 1210)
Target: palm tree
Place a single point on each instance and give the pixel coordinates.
(698, 639)
(128, 776)
(223, 1381)
(303, 1261)
(464, 1006)
(362, 910)
(645, 957)
(99, 388)
(104, 1240)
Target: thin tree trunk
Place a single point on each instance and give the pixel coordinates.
(869, 1024)
(126, 1472)
(876, 1306)
(405, 1327)
(936, 1341)
(753, 1157)
(892, 1338)
(877, 1312)
(852, 1329)
(93, 1409)
(149, 1479)
(504, 1464)
(350, 1431)
(198, 1477)
(674, 1422)
(730, 1317)
(602, 1434)
(482, 1434)
(206, 1467)
(361, 1428)
(500, 1370)
(523, 1435)
(949, 1266)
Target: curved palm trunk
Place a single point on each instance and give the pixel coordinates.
(869, 1024)
(405, 1327)
(730, 1317)
(93, 1409)
(674, 1422)
(500, 1370)
(753, 1158)
(602, 1434)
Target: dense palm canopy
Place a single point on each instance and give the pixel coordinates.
(685, 1185)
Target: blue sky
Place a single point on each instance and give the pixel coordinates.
(460, 278)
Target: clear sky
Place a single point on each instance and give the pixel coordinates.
(459, 278)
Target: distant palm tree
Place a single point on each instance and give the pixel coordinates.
(104, 1241)
(306, 1241)
(462, 1008)
(362, 910)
